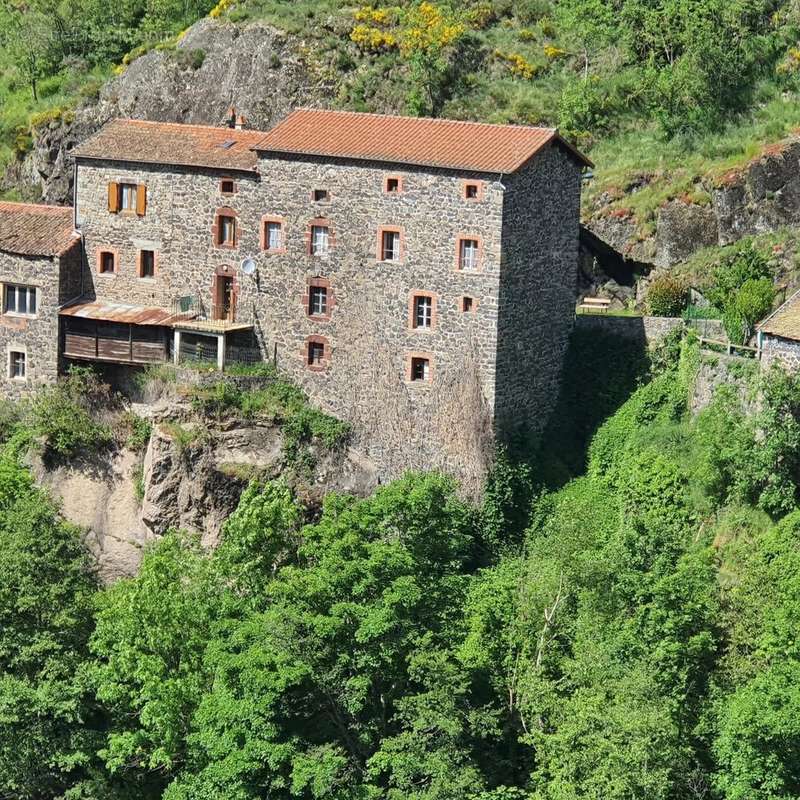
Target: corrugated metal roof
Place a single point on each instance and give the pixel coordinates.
(119, 312)
(36, 230)
(444, 143)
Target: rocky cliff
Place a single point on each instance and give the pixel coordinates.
(760, 197)
(256, 68)
(190, 477)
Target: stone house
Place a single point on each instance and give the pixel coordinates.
(779, 336)
(40, 272)
(415, 276)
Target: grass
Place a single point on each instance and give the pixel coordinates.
(183, 437)
(641, 171)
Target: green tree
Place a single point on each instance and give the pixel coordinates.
(47, 723)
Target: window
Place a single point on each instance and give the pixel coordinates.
(468, 253)
(320, 240)
(273, 236)
(467, 304)
(316, 353)
(227, 186)
(321, 195)
(423, 311)
(420, 368)
(318, 301)
(19, 299)
(390, 247)
(147, 264)
(127, 196)
(16, 365)
(472, 190)
(226, 228)
(106, 262)
(393, 185)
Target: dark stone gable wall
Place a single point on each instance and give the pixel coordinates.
(36, 336)
(536, 307)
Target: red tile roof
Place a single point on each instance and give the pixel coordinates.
(147, 142)
(450, 144)
(34, 230)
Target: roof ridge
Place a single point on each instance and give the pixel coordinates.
(195, 125)
(448, 120)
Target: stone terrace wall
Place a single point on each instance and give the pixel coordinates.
(783, 352)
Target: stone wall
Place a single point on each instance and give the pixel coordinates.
(648, 330)
(35, 335)
(445, 423)
(784, 352)
(537, 288)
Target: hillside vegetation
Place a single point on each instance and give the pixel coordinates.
(630, 635)
(672, 89)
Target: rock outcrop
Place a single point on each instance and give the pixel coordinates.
(191, 480)
(256, 68)
(761, 197)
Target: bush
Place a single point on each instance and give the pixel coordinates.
(68, 416)
(667, 296)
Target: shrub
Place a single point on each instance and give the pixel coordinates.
(68, 415)
(134, 431)
(667, 296)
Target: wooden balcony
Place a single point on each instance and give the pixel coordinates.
(117, 342)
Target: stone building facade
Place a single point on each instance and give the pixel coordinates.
(415, 277)
(40, 271)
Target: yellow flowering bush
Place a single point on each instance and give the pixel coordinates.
(220, 8)
(552, 52)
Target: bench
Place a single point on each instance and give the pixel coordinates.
(595, 304)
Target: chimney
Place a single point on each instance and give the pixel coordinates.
(240, 123)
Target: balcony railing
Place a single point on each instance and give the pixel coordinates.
(195, 313)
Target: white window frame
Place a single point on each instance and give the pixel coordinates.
(423, 311)
(12, 351)
(426, 369)
(227, 222)
(314, 348)
(275, 228)
(315, 292)
(320, 240)
(28, 290)
(469, 253)
(127, 191)
(390, 246)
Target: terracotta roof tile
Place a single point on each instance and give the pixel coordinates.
(35, 230)
(785, 322)
(442, 143)
(147, 142)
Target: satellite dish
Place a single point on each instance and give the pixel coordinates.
(498, 185)
(248, 266)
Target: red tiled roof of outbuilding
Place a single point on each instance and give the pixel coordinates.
(36, 230)
(145, 142)
(444, 143)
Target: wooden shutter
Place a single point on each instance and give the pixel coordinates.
(141, 199)
(113, 197)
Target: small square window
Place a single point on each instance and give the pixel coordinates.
(393, 186)
(107, 264)
(471, 191)
(316, 354)
(227, 186)
(273, 236)
(226, 227)
(17, 365)
(320, 195)
(420, 369)
(467, 304)
(423, 311)
(147, 264)
(390, 246)
(318, 301)
(320, 240)
(468, 254)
